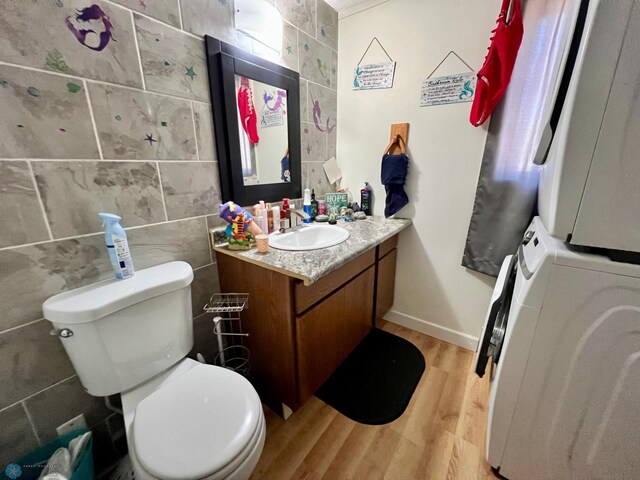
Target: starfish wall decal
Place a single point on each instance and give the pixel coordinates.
(150, 138)
(190, 73)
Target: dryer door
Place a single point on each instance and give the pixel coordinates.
(495, 326)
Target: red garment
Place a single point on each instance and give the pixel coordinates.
(494, 76)
(247, 111)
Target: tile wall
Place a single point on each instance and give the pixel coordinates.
(118, 120)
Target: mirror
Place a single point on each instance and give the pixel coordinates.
(264, 140)
(256, 114)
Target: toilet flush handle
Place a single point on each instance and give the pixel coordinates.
(64, 333)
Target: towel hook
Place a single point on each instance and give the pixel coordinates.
(399, 141)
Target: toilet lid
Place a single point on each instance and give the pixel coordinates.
(197, 424)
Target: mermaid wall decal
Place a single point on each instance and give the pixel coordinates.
(317, 118)
(279, 103)
(89, 14)
(467, 91)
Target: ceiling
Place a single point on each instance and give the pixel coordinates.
(349, 7)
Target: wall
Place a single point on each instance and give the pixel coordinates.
(120, 123)
(434, 294)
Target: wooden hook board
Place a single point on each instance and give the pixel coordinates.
(401, 129)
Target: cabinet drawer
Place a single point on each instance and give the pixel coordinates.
(388, 245)
(330, 331)
(307, 296)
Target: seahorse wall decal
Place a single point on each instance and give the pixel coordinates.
(467, 91)
(94, 12)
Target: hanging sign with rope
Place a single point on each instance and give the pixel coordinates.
(374, 75)
(458, 88)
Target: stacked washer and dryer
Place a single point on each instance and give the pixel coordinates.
(562, 336)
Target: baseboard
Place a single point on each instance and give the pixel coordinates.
(438, 331)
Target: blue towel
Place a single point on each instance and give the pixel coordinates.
(393, 176)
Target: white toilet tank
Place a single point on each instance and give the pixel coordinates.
(126, 331)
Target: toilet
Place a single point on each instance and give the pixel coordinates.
(184, 419)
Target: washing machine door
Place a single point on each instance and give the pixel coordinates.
(495, 326)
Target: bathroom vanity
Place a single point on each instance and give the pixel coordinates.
(308, 310)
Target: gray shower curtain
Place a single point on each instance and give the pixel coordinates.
(506, 196)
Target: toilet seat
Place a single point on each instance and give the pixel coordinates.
(203, 422)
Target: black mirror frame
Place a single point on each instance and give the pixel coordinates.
(224, 62)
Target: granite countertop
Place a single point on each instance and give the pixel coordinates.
(311, 265)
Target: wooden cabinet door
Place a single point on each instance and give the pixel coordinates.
(327, 333)
(385, 283)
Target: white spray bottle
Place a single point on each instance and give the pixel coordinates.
(116, 239)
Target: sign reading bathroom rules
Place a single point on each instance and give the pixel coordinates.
(457, 88)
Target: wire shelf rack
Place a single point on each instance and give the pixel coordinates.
(227, 327)
(236, 358)
(227, 303)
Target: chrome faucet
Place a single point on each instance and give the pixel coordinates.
(296, 212)
(301, 213)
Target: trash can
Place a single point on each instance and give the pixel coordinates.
(31, 465)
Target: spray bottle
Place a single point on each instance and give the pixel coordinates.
(118, 247)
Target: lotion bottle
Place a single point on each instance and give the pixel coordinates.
(265, 217)
(276, 218)
(116, 240)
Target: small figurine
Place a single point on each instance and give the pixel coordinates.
(242, 229)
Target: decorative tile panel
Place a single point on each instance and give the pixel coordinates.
(92, 39)
(210, 17)
(327, 24)
(300, 13)
(203, 118)
(173, 62)
(185, 240)
(190, 188)
(314, 143)
(164, 10)
(322, 108)
(315, 60)
(60, 403)
(73, 193)
(16, 435)
(30, 360)
(142, 126)
(33, 273)
(44, 116)
(21, 218)
(289, 54)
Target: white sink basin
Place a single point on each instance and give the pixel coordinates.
(309, 237)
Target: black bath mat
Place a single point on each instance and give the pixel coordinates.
(376, 381)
